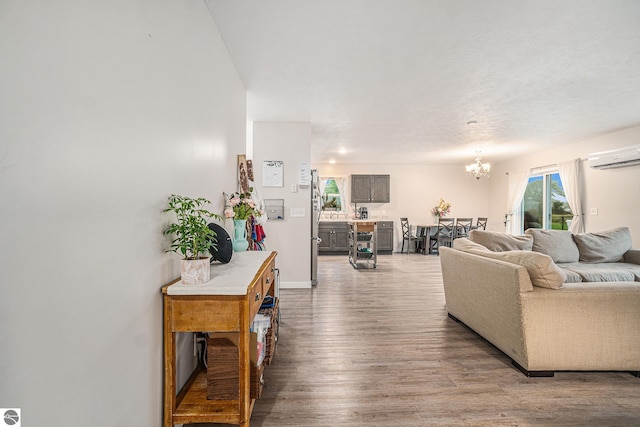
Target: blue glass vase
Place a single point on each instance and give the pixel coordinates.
(240, 242)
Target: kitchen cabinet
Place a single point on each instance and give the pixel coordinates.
(385, 236)
(334, 237)
(370, 188)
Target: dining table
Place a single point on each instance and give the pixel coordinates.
(424, 234)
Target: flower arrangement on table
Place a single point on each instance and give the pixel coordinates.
(241, 206)
(441, 209)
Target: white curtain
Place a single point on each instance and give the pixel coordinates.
(570, 176)
(517, 186)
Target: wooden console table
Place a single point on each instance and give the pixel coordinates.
(227, 303)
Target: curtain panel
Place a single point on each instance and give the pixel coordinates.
(570, 176)
(517, 186)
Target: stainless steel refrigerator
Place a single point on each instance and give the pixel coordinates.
(316, 208)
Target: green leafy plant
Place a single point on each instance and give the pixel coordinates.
(193, 237)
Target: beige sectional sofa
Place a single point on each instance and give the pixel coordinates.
(550, 300)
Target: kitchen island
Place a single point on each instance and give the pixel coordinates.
(363, 243)
(334, 234)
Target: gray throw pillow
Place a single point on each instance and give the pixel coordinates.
(604, 246)
(558, 244)
(500, 242)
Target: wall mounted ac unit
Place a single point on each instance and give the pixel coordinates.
(619, 158)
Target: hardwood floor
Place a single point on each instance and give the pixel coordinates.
(375, 348)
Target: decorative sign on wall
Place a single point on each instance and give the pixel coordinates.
(243, 173)
(272, 173)
(304, 175)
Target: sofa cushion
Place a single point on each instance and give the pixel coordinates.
(543, 272)
(499, 242)
(602, 272)
(633, 268)
(572, 276)
(558, 244)
(605, 246)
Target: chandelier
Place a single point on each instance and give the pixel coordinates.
(478, 169)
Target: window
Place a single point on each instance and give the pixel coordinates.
(544, 204)
(333, 191)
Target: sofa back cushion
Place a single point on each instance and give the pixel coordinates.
(499, 242)
(604, 246)
(558, 244)
(543, 272)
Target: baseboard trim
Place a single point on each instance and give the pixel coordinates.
(295, 285)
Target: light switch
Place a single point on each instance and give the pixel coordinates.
(296, 212)
(594, 211)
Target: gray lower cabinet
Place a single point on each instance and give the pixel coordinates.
(370, 188)
(335, 237)
(385, 236)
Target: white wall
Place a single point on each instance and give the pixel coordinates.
(416, 189)
(291, 237)
(105, 110)
(614, 192)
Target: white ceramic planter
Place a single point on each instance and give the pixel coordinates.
(195, 271)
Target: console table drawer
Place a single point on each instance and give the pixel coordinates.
(256, 295)
(198, 314)
(269, 277)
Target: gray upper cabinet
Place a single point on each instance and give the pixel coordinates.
(380, 188)
(370, 188)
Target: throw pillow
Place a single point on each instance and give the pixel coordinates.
(604, 246)
(465, 245)
(559, 245)
(499, 242)
(543, 272)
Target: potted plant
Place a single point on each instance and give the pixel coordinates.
(193, 238)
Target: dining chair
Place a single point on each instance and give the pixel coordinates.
(432, 240)
(481, 223)
(406, 233)
(463, 226)
(421, 239)
(446, 231)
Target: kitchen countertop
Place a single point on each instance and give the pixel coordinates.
(355, 220)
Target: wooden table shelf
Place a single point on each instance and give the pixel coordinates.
(227, 303)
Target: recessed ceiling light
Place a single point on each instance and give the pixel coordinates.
(332, 161)
(342, 150)
(472, 123)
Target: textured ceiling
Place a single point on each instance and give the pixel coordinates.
(397, 81)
